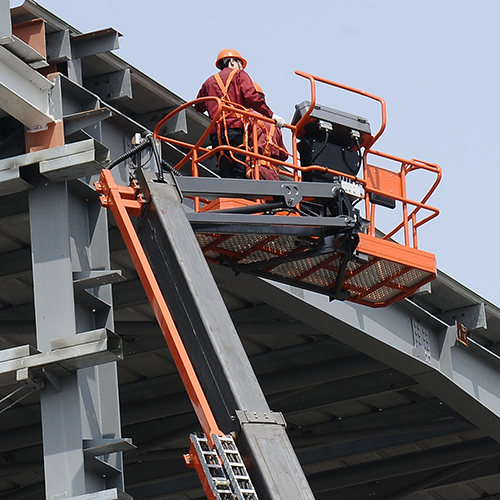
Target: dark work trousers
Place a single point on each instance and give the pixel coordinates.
(228, 167)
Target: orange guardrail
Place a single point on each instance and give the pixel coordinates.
(392, 184)
(374, 180)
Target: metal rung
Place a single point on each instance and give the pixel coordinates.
(223, 468)
(212, 468)
(235, 468)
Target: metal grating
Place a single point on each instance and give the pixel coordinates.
(257, 256)
(205, 239)
(374, 280)
(298, 268)
(375, 274)
(382, 294)
(353, 265)
(411, 278)
(241, 243)
(322, 277)
(283, 244)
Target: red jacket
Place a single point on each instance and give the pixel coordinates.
(241, 91)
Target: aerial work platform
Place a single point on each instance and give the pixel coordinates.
(305, 229)
(308, 252)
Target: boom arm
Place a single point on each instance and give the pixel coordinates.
(174, 272)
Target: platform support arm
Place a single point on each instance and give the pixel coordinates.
(112, 199)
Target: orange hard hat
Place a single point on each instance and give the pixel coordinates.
(230, 53)
(258, 88)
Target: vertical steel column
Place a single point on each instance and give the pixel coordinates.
(80, 411)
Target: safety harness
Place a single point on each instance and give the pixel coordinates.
(221, 122)
(246, 145)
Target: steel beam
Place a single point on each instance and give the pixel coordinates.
(95, 42)
(247, 188)
(16, 38)
(177, 125)
(212, 221)
(28, 43)
(402, 336)
(59, 164)
(473, 317)
(67, 355)
(112, 86)
(24, 93)
(5, 22)
(113, 494)
(426, 460)
(59, 47)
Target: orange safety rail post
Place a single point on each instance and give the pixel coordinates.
(255, 149)
(123, 201)
(392, 184)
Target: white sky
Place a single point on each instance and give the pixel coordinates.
(435, 62)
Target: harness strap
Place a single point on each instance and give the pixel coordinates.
(224, 89)
(269, 140)
(270, 143)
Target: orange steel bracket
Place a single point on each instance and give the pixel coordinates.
(32, 33)
(462, 335)
(193, 462)
(51, 137)
(384, 180)
(122, 201)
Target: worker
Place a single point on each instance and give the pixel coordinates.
(232, 84)
(269, 143)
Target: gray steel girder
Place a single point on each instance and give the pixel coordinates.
(425, 348)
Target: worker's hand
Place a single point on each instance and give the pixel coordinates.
(280, 122)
